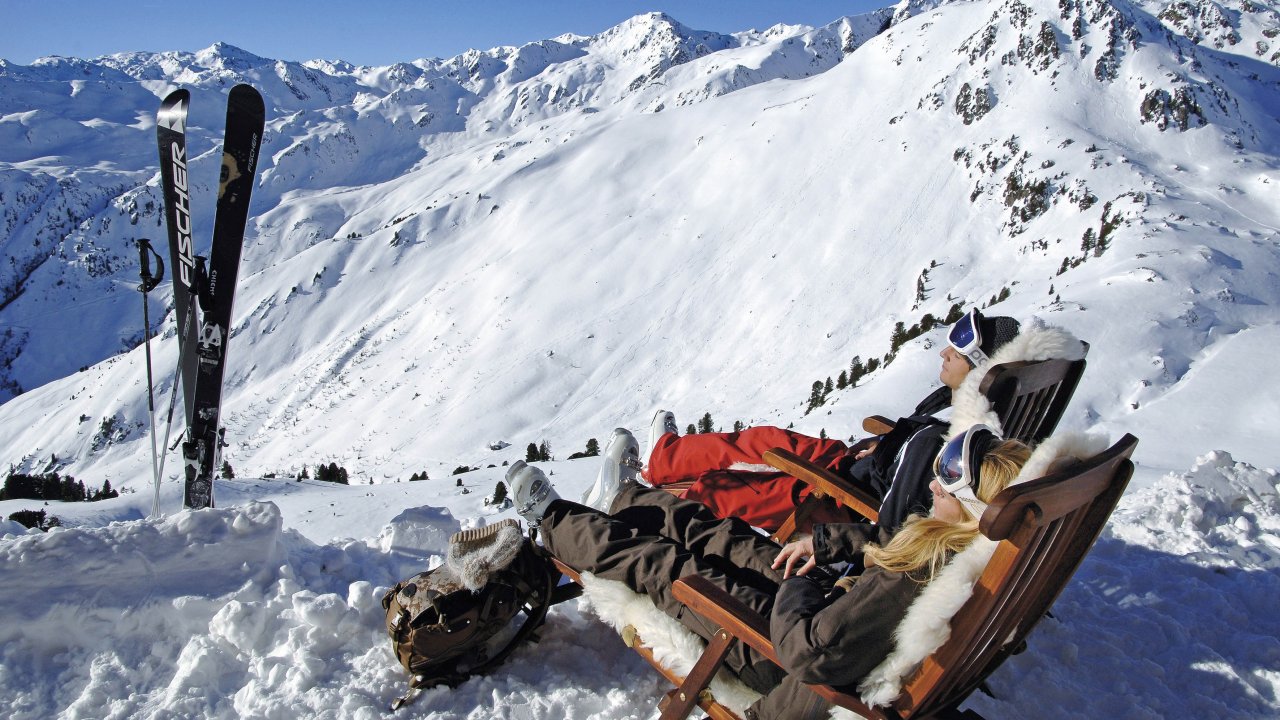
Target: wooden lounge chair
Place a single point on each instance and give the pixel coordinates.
(1043, 529)
(1028, 397)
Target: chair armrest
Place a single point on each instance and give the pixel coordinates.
(822, 479)
(877, 425)
(712, 603)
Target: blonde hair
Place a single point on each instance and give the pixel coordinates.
(925, 543)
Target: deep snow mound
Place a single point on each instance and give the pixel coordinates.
(1171, 614)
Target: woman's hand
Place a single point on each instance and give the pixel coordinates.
(792, 552)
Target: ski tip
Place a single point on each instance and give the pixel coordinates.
(246, 96)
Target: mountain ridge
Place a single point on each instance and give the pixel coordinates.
(564, 250)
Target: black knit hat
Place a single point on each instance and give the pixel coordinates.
(996, 331)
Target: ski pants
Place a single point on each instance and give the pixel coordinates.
(652, 539)
(726, 471)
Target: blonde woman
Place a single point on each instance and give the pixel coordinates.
(826, 629)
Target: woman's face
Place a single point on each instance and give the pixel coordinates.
(945, 506)
(954, 368)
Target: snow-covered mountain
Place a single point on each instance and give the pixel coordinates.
(545, 242)
(539, 243)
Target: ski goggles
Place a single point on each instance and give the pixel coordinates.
(966, 337)
(958, 464)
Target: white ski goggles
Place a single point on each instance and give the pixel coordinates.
(966, 337)
(957, 466)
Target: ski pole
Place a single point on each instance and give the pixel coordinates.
(149, 283)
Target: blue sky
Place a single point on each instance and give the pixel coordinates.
(368, 32)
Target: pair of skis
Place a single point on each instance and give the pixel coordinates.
(202, 294)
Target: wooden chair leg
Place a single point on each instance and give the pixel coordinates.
(680, 702)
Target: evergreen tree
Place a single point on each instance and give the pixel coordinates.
(227, 472)
(106, 493)
(898, 337)
(842, 381)
(593, 448)
(738, 426)
(816, 399)
(1089, 240)
(71, 490)
(544, 452)
(691, 430)
(499, 493)
(822, 434)
(531, 453)
(705, 425)
(827, 388)
(856, 371)
(35, 519)
(51, 487)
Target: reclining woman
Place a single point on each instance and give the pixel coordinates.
(726, 471)
(826, 629)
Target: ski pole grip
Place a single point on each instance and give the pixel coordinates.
(145, 252)
(144, 259)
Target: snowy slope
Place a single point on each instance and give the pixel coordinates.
(545, 242)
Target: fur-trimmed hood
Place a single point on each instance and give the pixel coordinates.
(1036, 341)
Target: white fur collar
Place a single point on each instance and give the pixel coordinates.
(927, 623)
(1036, 341)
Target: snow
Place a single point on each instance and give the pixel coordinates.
(271, 608)
(451, 259)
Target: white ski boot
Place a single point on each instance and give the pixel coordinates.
(531, 490)
(664, 421)
(621, 465)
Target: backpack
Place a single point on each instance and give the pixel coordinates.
(459, 619)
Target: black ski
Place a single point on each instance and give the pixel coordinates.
(216, 289)
(171, 134)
